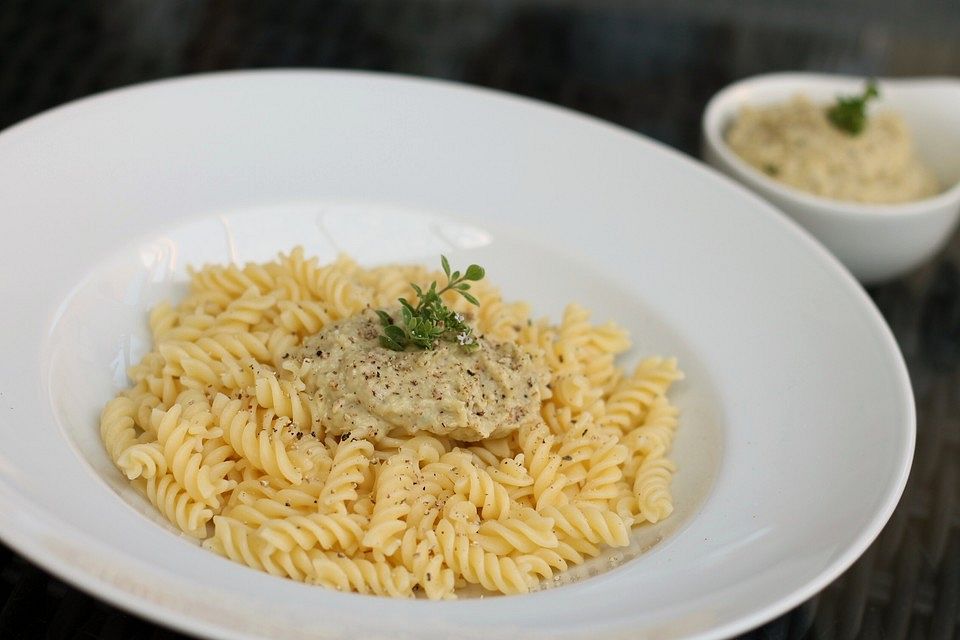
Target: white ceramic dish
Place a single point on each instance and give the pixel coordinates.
(798, 423)
(876, 242)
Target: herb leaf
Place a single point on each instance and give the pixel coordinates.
(395, 333)
(385, 319)
(474, 272)
(431, 320)
(850, 112)
(387, 343)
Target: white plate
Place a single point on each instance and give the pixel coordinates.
(798, 424)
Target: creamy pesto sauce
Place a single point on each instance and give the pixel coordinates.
(795, 143)
(368, 391)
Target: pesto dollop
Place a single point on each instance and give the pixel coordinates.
(367, 390)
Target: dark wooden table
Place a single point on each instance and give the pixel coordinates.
(648, 65)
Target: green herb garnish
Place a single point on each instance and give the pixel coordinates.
(431, 320)
(850, 113)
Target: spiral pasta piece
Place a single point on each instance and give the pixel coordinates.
(656, 432)
(652, 486)
(630, 401)
(590, 523)
(339, 531)
(117, 427)
(525, 532)
(285, 397)
(349, 463)
(543, 465)
(363, 576)
(143, 460)
(431, 573)
(231, 280)
(166, 494)
(477, 486)
(238, 542)
(262, 447)
(244, 312)
(334, 285)
(304, 317)
(604, 470)
(241, 345)
(181, 446)
(476, 566)
(394, 487)
(545, 562)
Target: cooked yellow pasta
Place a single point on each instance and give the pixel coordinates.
(223, 434)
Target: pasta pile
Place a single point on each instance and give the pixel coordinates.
(222, 439)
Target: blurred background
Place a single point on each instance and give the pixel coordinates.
(648, 65)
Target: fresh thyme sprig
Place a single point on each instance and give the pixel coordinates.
(431, 320)
(850, 112)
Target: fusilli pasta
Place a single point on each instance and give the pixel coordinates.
(220, 434)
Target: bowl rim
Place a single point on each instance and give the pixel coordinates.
(722, 106)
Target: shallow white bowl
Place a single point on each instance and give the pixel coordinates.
(798, 425)
(876, 242)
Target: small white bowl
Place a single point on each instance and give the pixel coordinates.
(876, 242)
